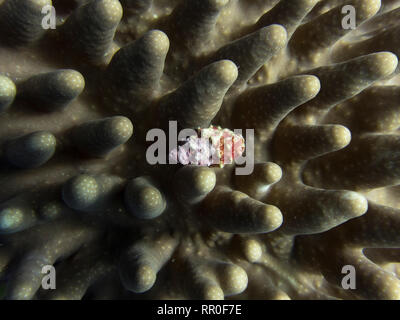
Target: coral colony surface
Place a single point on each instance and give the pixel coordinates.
(78, 192)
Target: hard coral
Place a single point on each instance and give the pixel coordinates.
(77, 192)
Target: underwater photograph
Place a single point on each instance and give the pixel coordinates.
(199, 150)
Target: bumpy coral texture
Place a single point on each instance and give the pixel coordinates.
(77, 192)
